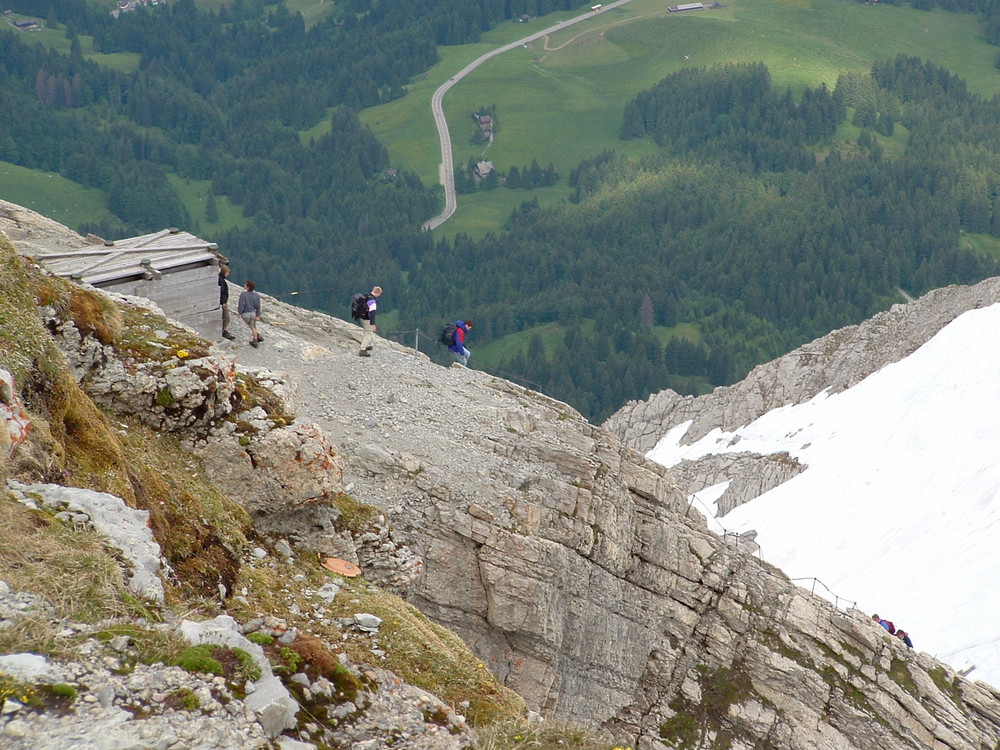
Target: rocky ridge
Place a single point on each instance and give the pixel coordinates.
(563, 558)
(832, 363)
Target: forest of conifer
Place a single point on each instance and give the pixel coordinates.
(752, 229)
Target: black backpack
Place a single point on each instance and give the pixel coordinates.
(447, 337)
(358, 305)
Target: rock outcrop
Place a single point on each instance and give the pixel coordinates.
(832, 363)
(568, 562)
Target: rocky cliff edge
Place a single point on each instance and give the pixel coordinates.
(566, 562)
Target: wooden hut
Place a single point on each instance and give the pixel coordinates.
(174, 269)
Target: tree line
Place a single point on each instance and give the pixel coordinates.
(749, 225)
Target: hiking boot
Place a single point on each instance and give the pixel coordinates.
(253, 344)
(369, 348)
(364, 353)
(260, 339)
(228, 335)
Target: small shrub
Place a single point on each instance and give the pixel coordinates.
(354, 515)
(11, 689)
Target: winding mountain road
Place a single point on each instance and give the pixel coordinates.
(447, 167)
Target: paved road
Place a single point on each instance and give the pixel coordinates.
(447, 167)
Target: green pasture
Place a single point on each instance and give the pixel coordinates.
(553, 334)
(561, 98)
(194, 194)
(53, 196)
(55, 38)
(486, 211)
(687, 331)
(983, 243)
(894, 145)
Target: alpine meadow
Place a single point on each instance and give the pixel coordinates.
(674, 197)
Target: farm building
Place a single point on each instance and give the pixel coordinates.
(686, 6)
(174, 269)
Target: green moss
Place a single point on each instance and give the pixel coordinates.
(680, 730)
(165, 398)
(64, 690)
(183, 699)
(900, 674)
(261, 639)
(346, 685)
(290, 661)
(948, 686)
(693, 722)
(199, 659)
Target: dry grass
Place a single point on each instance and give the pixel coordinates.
(24, 345)
(70, 568)
(95, 315)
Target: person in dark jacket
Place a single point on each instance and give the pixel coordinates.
(368, 321)
(904, 637)
(249, 309)
(458, 342)
(224, 301)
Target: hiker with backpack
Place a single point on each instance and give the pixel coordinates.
(363, 307)
(248, 308)
(457, 345)
(887, 624)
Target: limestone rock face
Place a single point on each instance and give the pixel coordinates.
(172, 395)
(571, 564)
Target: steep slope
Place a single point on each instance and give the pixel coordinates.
(566, 561)
(894, 477)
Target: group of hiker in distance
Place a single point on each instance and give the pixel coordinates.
(892, 630)
(363, 309)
